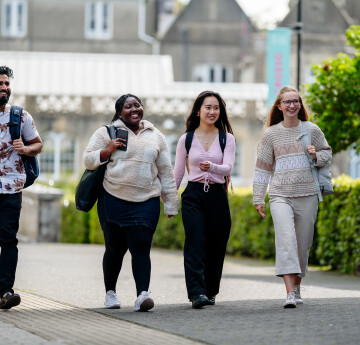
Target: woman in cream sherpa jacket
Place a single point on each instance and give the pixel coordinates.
(129, 205)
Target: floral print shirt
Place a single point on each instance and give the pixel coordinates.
(12, 171)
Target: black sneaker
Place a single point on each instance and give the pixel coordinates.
(211, 300)
(10, 300)
(199, 301)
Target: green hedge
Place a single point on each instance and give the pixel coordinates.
(336, 240)
(338, 227)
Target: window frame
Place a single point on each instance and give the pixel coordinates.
(94, 16)
(14, 29)
(212, 73)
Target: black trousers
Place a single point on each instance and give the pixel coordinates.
(10, 207)
(207, 223)
(118, 240)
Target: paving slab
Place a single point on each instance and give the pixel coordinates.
(51, 322)
(248, 309)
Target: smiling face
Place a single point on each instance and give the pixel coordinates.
(290, 105)
(210, 110)
(132, 113)
(5, 90)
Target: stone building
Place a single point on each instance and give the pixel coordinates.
(324, 23)
(211, 41)
(81, 26)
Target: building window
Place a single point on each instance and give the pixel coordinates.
(212, 73)
(98, 20)
(14, 18)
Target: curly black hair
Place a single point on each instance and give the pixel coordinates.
(7, 71)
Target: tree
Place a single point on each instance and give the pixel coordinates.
(334, 98)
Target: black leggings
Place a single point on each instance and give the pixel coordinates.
(118, 240)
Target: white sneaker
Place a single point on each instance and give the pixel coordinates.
(290, 300)
(144, 302)
(298, 298)
(111, 300)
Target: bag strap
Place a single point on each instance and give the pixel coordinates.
(305, 141)
(15, 122)
(222, 140)
(190, 135)
(188, 141)
(111, 131)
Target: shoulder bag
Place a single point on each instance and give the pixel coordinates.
(322, 175)
(91, 183)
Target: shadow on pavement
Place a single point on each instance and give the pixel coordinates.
(318, 321)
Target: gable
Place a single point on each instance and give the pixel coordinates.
(318, 17)
(210, 21)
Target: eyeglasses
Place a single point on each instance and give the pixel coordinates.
(296, 102)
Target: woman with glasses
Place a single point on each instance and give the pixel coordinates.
(283, 164)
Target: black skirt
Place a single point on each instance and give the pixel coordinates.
(128, 213)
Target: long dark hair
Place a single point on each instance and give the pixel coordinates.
(276, 115)
(120, 103)
(193, 120)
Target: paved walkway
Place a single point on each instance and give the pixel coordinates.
(62, 303)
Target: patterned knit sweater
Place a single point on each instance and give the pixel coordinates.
(142, 172)
(282, 161)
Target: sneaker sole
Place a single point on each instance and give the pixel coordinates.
(116, 306)
(13, 301)
(146, 305)
(290, 305)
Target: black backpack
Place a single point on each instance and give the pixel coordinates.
(222, 142)
(30, 163)
(190, 135)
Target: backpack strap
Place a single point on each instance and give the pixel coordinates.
(305, 141)
(15, 122)
(190, 135)
(222, 140)
(188, 141)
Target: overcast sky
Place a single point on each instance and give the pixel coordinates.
(264, 13)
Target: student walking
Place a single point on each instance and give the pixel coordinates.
(205, 207)
(137, 174)
(283, 164)
(12, 181)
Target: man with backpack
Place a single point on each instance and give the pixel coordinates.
(12, 181)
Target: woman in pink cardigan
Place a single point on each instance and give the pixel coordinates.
(205, 207)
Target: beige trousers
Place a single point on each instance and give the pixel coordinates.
(294, 220)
